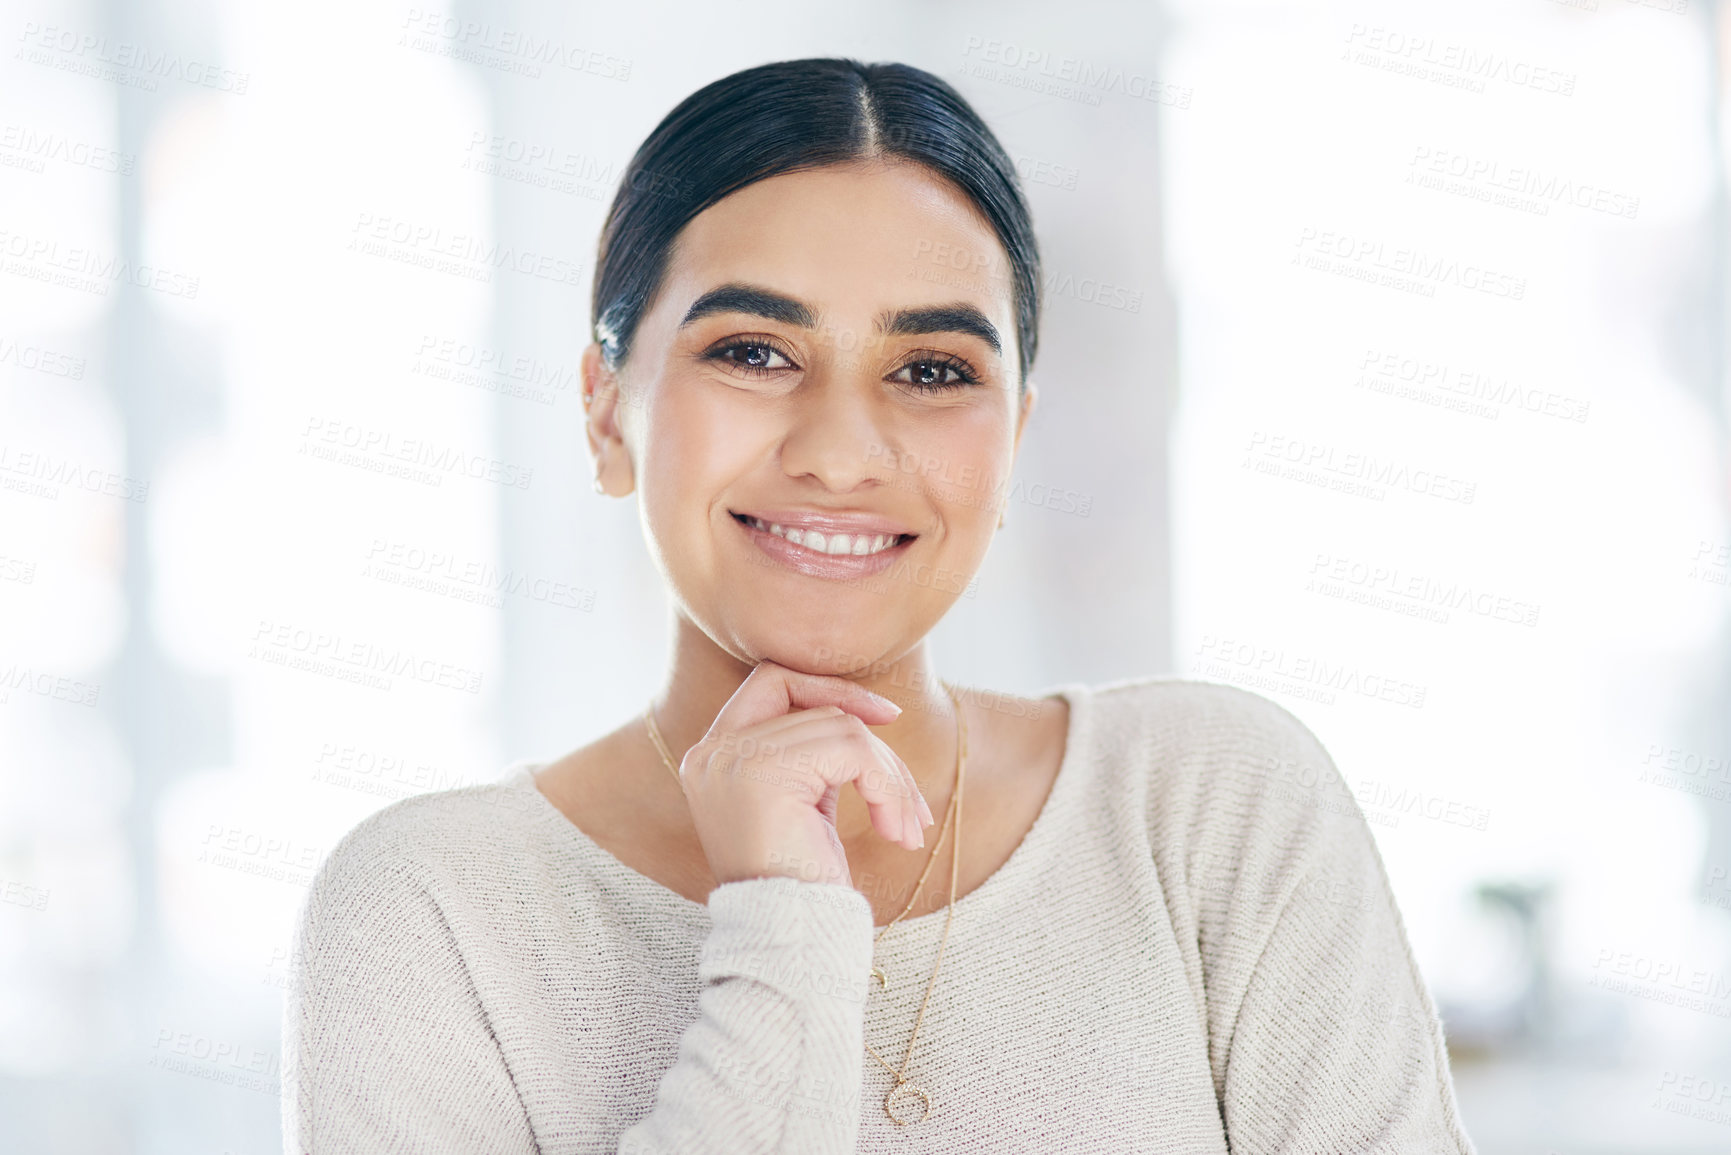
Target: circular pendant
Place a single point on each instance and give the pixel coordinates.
(901, 1093)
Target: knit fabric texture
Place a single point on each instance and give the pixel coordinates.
(1194, 949)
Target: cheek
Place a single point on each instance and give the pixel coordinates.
(694, 447)
(963, 465)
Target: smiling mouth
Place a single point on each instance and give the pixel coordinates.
(837, 545)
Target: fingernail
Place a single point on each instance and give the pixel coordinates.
(886, 701)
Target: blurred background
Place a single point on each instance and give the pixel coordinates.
(1383, 373)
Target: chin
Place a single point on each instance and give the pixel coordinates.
(822, 650)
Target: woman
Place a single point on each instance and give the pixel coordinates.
(814, 899)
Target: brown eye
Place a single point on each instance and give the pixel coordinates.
(933, 374)
(752, 356)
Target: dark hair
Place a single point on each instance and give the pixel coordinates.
(792, 115)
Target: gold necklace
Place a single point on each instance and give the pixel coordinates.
(952, 816)
(953, 812)
(660, 746)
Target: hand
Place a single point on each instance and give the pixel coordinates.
(763, 782)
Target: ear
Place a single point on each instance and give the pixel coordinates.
(1027, 407)
(603, 394)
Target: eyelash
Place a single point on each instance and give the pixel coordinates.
(720, 353)
(964, 372)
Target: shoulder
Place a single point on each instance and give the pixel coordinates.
(422, 852)
(1197, 734)
(1239, 797)
(388, 1032)
(442, 829)
(1188, 702)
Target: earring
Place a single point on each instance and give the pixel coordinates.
(1000, 519)
(599, 488)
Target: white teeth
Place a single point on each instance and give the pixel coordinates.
(857, 545)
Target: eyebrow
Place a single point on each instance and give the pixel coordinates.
(750, 299)
(958, 317)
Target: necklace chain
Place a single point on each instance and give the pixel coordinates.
(952, 817)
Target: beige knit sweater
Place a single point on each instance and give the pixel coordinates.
(1194, 949)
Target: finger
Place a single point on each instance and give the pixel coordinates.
(843, 750)
(772, 690)
(889, 771)
(773, 732)
(788, 755)
(829, 749)
(922, 810)
(794, 718)
(898, 782)
(888, 789)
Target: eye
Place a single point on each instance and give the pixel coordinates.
(751, 355)
(934, 374)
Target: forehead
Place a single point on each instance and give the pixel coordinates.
(849, 239)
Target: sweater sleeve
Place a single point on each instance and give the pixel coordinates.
(388, 1048)
(1323, 1036)
(773, 1061)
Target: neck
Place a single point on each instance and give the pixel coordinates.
(702, 677)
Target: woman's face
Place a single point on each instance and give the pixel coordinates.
(832, 351)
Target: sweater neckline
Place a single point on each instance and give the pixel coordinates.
(1077, 738)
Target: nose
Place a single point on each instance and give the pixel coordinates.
(840, 426)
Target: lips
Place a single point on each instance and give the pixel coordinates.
(826, 545)
(827, 522)
(833, 543)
